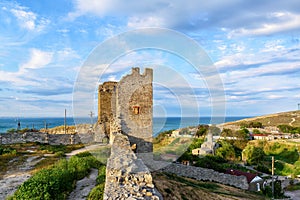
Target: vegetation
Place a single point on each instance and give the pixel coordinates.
(274, 119)
(98, 191)
(7, 150)
(288, 129)
(253, 155)
(24, 130)
(159, 138)
(226, 151)
(58, 180)
(202, 130)
(287, 160)
(253, 124)
(174, 187)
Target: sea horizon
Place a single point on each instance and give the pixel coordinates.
(160, 124)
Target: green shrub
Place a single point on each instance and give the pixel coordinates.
(97, 192)
(7, 150)
(57, 181)
(101, 175)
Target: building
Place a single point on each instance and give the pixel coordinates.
(255, 182)
(126, 106)
(208, 147)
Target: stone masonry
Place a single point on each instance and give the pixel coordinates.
(126, 106)
(127, 177)
(203, 174)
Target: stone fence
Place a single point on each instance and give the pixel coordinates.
(203, 174)
(53, 139)
(127, 177)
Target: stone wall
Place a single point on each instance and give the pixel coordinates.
(134, 102)
(204, 174)
(127, 177)
(53, 139)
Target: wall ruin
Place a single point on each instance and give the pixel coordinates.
(127, 106)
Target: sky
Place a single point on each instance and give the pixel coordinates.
(253, 45)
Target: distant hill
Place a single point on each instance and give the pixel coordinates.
(288, 118)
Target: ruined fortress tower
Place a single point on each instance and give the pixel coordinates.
(126, 107)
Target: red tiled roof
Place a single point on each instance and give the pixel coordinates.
(235, 172)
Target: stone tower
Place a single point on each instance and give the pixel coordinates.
(106, 104)
(134, 108)
(127, 106)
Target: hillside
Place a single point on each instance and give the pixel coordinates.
(291, 118)
(180, 188)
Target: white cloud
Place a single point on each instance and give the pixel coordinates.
(232, 16)
(280, 21)
(26, 18)
(23, 77)
(38, 59)
(149, 21)
(29, 20)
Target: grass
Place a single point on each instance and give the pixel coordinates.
(102, 153)
(174, 187)
(286, 155)
(293, 187)
(14, 161)
(274, 119)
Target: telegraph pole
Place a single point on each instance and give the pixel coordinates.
(298, 106)
(91, 116)
(273, 177)
(65, 122)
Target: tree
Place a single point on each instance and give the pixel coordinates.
(256, 131)
(285, 128)
(226, 132)
(226, 151)
(202, 130)
(253, 155)
(214, 130)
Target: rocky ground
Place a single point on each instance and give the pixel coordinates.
(16, 174)
(84, 186)
(20, 168)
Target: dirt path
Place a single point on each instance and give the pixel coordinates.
(18, 172)
(16, 175)
(294, 195)
(293, 120)
(84, 186)
(87, 148)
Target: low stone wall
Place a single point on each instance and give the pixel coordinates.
(127, 177)
(203, 174)
(54, 139)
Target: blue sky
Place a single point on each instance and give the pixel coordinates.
(255, 46)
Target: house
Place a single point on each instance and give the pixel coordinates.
(260, 137)
(185, 162)
(175, 133)
(255, 182)
(196, 152)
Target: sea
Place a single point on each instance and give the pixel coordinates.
(160, 124)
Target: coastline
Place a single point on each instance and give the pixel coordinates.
(160, 124)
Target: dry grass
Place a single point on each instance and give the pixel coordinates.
(179, 188)
(273, 119)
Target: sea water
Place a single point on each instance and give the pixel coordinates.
(159, 123)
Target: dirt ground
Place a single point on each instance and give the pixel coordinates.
(179, 188)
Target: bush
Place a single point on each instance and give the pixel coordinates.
(211, 162)
(52, 183)
(57, 181)
(97, 192)
(7, 150)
